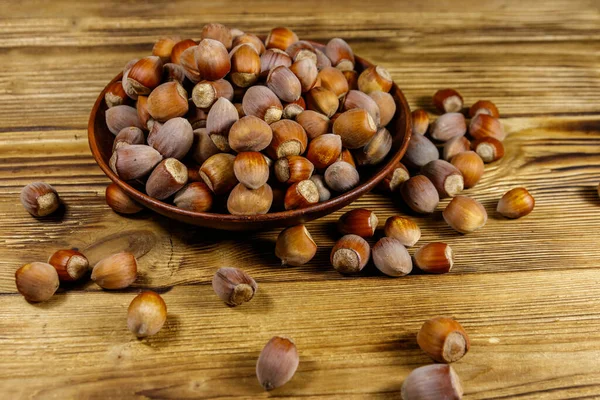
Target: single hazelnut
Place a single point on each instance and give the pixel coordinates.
(432, 382)
(292, 109)
(221, 117)
(334, 80)
(360, 221)
(356, 128)
(119, 201)
(251, 169)
(324, 150)
(233, 286)
(70, 265)
(173, 139)
(420, 121)
(289, 139)
(205, 93)
(489, 149)
(322, 60)
(188, 62)
(394, 179)
(419, 152)
(280, 38)
(145, 75)
(443, 339)
(130, 135)
(179, 48)
(470, 166)
(277, 363)
(295, 246)
(307, 73)
(218, 174)
(446, 178)
(121, 117)
(420, 194)
(272, 58)
(261, 102)
(39, 199)
(455, 146)
(314, 123)
(483, 125)
(250, 133)
(465, 214)
(37, 281)
(516, 203)
(117, 271)
(322, 100)
(484, 107)
(163, 47)
(341, 176)
(448, 126)
(115, 95)
(404, 230)
(217, 32)
(244, 201)
(376, 150)
(301, 50)
(169, 100)
(350, 254)
(212, 60)
(250, 39)
(168, 177)
(301, 194)
(375, 78)
(282, 81)
(448, 101)
(386, 104)
(245, 65)
(358, 99)
(146, 314)
(340, 54)
(391, 257)
(195, 196)
(352, 78)
(292, 169)
(435, 258)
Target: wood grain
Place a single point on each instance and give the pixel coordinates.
(526, 291)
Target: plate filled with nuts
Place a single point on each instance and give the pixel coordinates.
(239, 133)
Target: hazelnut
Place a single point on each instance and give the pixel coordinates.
(420, 194)
(70, 265)
(324, 193)
(280, 38)
(173, 139)
(293, 109)
(195, 196)
(465, 214)
(350, 254)
(168, 177)
(205, 93)
(261, 102)
(301, 50)
(272, 58)
(169, 100)
(251, 169)
(277, 363)
(292, 169)
(115, 95)
(394, 179)
(419, 152)
(360, 221)
(250, 133)
(121, 117)
(448, 101)
(188, 62)
(391, 257)
(37, 281)
(376, 150)
(117, 271)
(334, 80)
(357, 99)
(314, 123)
(218, 174)
(448, 126)
(446, 178)
(516, 203)
(420, 121)
(212, 60)
(352, 79)
(324, 150)
(145, 75)
(435, 258)
(432, 382)
(386, 104)
(244, 201)
(202, 146)
(217, 32)
(483, 125)
(295, 246)
(130, 135)
(356, 127)
(282, 81)
(322, 61)
(455, 146)
(375, 78)
(119, 201)
(341, 176)
(484, 107)
(470, 166)
(250, 39)
(443, 339)
(233, 286)
(163, 48)
(179, 48)
(146, 314)
(221, 117)
(322, 100)
(347, 157)
(245, 65)
(40, 199)
(289, 139)
(404, 230)
(340, 54)
(489, 149)
(306, 72)
(141, 107)
(301, 194)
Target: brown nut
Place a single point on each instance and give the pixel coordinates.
(322, 61)
(195, 196)
(419, 152)
(357, 99)
(340, 54)
(168, 177)
(217, 32)
(484, 107)
(179, 48)
(350, 254)
(212, 60)
(334, 80)
(244, 201)
(173, 73)
(301, 194)
(435, 258)
(272, 58)
(391, 257)
(455, 146)
(356, 128)
(483, 125)
(203, 147)
(420, 194)
(394, 179)
(164, 46)
(375, 78)
(341, 176)
(352, 78)
(119, 201)
(376, 150)
(218, 174)
(448, 126)
(189, 63)
(277, 363)
(251, 169)
(205, 93)
(130, 135)
(404, 230)
(145, 75)
(37, 281)
(360, 221)
(282, 81)
(295, 246)
(314, 123)
(167, 101)
(432, 382)
(121, 117)
(448, 101)
(289, 139)
(250, 133)
(292, 169)
(420, 122)
(319, 181)
(233, 286)
(117, 271)
(261, 102)
(307, 73)
(516, 203)
(322, 100)
(134, 161)
(39, 199)
(446, 178)
(465, 214)
(324, 150)
(253, 40)
(293, 109)
(301, 50)
(174, 139)
(146, 314)
(115, 95)
(245, 65)
(443, 339)
(221, 117)
(386, 104)
(280, 38)
(470, 166)
(489, 149)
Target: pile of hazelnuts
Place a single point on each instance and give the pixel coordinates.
(265, 126)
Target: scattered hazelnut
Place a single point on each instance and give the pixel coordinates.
(39, 199)
(455, 146)
(360, 221)
(483, 125)
(432, 382)
(516, 203)
(484, 107)
(70, 265)
(489, 149)
(470, 166)
(448, 101)
(448, 126)
(37, 281)
(419, 152)
(350, 254)
(233, 286)
(119, 201)
(146, 314)
(446, 178)
(420, 194)
(393, 180)
(117, 271)
(443, 339)
(435, 258)
(341, 176)
(465, 214)
(195, 196)
(295, 246)
(404, 230)
(277, 363)
(391, 257)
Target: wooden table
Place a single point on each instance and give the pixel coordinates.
(527, 291)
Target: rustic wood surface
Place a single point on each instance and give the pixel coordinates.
(527, 291)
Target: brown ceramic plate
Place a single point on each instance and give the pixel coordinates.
(101, 141)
